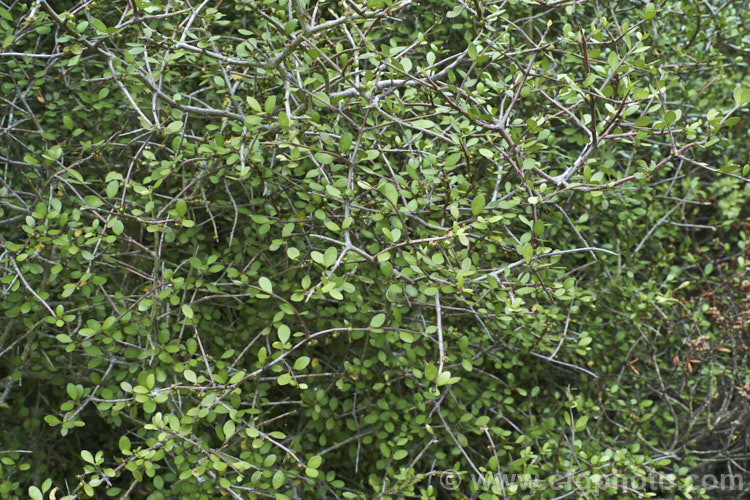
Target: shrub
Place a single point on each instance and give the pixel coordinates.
(311, 250)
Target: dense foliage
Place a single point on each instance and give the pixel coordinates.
(288, 249)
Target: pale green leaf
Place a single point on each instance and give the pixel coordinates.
(477, 206)
(229, 429)
(35, 493)
(377, 320)
(284, 333)
(301, 363)
(187, 311)
(443, 378)
(265, 284)
(527, 252)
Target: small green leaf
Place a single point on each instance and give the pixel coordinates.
(283, 121)
(650, 11)
(284, 333)
(52, 420)
(322, 97)
(181, 208)
(741, 96)
(117, 227)
(317, 257)
(35, 493)
(477, 206)
(265, 284)
(345, 143)
(457, 10)
(174, 127)
(324, 158)
(423, 123)
(390, 192)
(278, 479)
(124, 443)
(377, 320)
(237, 377)
(270, 103)
(87, 456)
(253, 103)
(98, 25)
(527, 252)
(315, 462)
(406, 337)
(112, 188)
(187, 311)
(329, 258)
(93, 201)
(229, 429)
(482, 421)
(538, 227)
(190, 376)
(581, 423)
(443, 378)
(452, 160)
(301, 363)
(55, 152)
